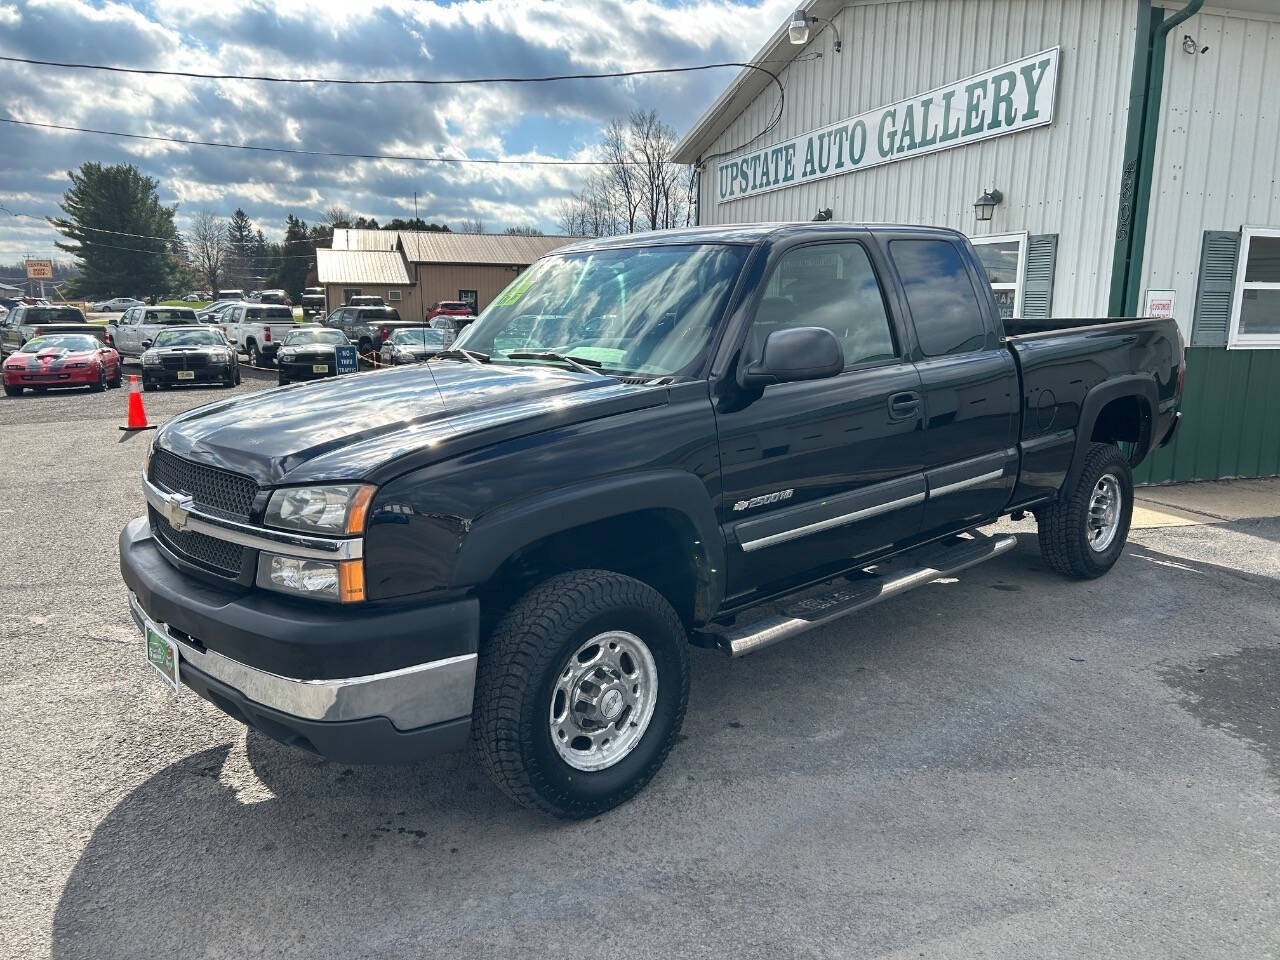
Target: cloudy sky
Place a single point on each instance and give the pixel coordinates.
(345, 38)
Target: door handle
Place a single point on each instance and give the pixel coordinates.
(903, 406)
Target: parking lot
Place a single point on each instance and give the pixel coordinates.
(1002, 765)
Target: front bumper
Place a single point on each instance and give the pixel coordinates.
(210, 374)
(303, 369)
(63, 378)
(357, 685)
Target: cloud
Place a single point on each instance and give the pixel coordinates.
(377, 39)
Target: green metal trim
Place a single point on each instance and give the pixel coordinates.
(1147, 20)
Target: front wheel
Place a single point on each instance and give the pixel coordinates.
(1083, 532)
(101, 383)
(118, 377)
(581, 692)
(12, 391)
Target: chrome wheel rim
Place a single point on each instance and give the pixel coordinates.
(603, 700)
(1104, 513)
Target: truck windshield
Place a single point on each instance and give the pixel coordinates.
(634, 310)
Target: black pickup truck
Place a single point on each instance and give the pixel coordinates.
(723, 436)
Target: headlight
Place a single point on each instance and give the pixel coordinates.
(150, 359)
(319, 579)
(76, 366)
(287, 353)
(333, 510)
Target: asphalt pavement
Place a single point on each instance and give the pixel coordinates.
(1004, 765)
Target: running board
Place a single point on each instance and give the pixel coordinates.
(832, 602)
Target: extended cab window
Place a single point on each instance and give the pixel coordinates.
(944, 306)
(830, 285)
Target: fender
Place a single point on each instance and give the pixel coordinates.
(495, 536)
(1142, 386)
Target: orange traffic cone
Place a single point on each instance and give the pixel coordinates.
(137, 415)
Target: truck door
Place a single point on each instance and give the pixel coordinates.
(126, 332)
(969, 381)
(820, 472)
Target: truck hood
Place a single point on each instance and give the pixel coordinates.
(343, 429)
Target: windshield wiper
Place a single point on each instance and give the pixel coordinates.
(472, 356)
(582, 364)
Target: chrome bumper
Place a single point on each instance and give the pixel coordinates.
(411, 697)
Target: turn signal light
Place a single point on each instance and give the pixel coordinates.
(351, 581)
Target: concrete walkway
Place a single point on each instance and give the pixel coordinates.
(1217, 501)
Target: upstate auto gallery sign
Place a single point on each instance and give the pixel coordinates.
(1005, 99)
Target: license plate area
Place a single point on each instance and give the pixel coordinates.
(162, 655)
(319, 368)
(186, 374)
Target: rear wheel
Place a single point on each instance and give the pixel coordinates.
(255, 355)
(581, 692)
(1083, 533)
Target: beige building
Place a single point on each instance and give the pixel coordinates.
(412, 270)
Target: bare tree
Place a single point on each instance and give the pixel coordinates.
(209, 246)
(523, 231)
(638, 186)
(474, 225)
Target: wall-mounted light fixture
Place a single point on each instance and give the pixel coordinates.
(798, 29)
(1191, 45)
(985, 205)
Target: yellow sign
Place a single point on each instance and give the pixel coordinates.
(39, 269)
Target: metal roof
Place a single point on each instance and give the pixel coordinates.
(503, 249)
(361, 266)
(345, 238)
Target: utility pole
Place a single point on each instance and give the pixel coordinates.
(415, 205)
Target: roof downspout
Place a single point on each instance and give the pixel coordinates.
(1140, 149)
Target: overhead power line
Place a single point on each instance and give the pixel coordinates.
(395, 81)
(307, 153)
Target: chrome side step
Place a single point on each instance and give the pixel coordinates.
(832, 603)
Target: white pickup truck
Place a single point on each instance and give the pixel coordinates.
(138, 326)
(257, 330)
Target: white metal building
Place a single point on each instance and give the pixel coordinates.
(1133, 147)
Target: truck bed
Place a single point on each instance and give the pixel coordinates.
(1077, 370)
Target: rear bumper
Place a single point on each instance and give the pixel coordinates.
(354, 684)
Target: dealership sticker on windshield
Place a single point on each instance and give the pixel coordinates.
(162, 656)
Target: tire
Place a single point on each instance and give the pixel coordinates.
(531, 659)
(1079, 537)
(118, 379)
(147, 385)
(101, 383)
(12, 391)
(255, 355)
(284, 381)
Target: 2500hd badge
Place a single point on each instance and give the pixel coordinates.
(694, 436)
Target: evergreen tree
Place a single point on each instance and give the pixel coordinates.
(297, 258)
(120, 234)
(240, 241)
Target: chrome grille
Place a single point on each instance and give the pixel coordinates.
(217, 556)
(213, 490)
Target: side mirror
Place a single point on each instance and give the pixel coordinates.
(798, 353)
(146, 344)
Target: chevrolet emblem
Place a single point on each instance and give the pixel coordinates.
(177, 509)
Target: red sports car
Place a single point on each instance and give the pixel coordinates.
(61, 360)
(451, 308)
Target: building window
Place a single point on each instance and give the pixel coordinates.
(393, 296)
(1255, 309)
(470, 297)
(349, 292)
(1004, 256)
